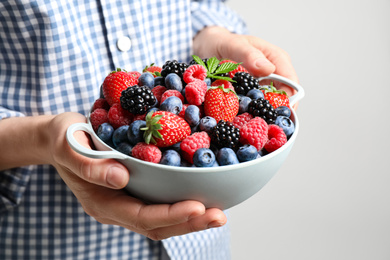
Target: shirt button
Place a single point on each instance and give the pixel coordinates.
(124, 43)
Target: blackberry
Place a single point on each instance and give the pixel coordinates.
(244, 82)
(225, 134)
(173, 66)
(262, 108)
(137, 99)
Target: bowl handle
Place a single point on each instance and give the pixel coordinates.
(300, 92)
(76, 146)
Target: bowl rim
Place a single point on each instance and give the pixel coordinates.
(192, 169)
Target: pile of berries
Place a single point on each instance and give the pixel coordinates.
(191, 115)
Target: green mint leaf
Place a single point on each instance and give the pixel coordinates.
(227, 67)
(220, 77)
(199, 61)
(212, 64)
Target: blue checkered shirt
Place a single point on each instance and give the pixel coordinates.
(53, 57)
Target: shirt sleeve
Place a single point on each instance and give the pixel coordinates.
(6, 113)
(215, 13)
(13, 182)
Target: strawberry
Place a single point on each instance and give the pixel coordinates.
(155, 70)
(276, 97)
(222, 82)
(221, 103)
(164, 128)
(115, 83)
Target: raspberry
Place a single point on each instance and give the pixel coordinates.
(146, 152)
(170, 93)
(98, 117)
(242, 119)
(118, 117)
(192, 143)
(195, 92)
(194, 72)
(100, 103)
(158, 91)
(276, 138)
(222, 82)
(255, 132)
(139, 117)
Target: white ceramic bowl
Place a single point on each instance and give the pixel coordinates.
(221, 187)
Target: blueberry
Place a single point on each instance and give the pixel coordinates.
(283, 111)
(159, 81)
(263, 152)
(255, 93)
(146, 79)
(173, 81)
(171, 157)
(207, 123)
(208, 81)
(204, 157)
(152, 109)
(215, 164)
(184, 163)
(134, 133)
(194, 128)
(125, 148)
(265, 87)
(244, 103)
(286, 124)
(192, 115)
(176, 147)
(105, 132)
(120, 135)
(246, 153)
(172, 104)
(226, 156)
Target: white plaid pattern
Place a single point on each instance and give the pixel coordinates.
(53, 57)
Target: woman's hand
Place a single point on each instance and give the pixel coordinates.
(258, 56)
(98, 183)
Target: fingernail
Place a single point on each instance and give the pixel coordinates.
(261, 63)
(115, 177)
(214, 224)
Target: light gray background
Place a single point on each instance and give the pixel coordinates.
(331, 198)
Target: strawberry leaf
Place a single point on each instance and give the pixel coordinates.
(212, 64)
(199, 61)
(152, 127)
(227, 67)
